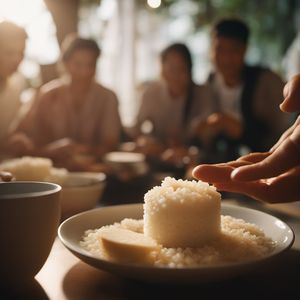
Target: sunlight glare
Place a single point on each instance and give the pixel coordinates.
(154, 3)
(33, 15)
(20, 11)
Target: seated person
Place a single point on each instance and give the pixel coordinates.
(171, 107)
(12, 47)
(74, 119)
(271, 176)
(246, 98)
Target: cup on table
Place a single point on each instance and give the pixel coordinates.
(29, 217)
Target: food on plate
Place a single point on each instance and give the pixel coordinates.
(125, 245)
(34, 169)
(177, 206)
(182, 218)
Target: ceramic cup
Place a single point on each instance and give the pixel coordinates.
(29, 217)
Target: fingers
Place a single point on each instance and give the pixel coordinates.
(284, 188)
(257, 190)
(254, 157)
(286, 134)
(221, 172)
(291, 92)
(282, 159)
(213, 173)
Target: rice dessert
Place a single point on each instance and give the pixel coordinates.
(165, 239)
(28, 168)
(182, 213)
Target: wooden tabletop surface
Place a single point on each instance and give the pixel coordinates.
(64, 276)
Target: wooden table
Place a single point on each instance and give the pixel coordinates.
(65, 277)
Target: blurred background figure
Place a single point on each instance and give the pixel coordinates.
(170, 108)
(246, 98)
(12, 83)
(74, 120)
(271, 176)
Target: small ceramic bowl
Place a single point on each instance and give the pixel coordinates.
(127, 165)
(81, 191)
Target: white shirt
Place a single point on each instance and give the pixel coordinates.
(229, 97)
(166, 113)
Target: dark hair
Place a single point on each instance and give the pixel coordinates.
(73, 43)
(232, 28)
(182, 50)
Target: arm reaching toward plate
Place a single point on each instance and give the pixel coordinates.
(272, 176)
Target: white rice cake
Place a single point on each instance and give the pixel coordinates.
(182, 213)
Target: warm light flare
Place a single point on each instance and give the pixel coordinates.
(154, 3)
(34, 16)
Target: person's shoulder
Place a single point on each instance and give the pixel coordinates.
(17, 80)
(48, 92)
(154, 85)
(270, 75)
(266, 74)
(103, 89)
(104, 93)
(201, 89)
(153, 88)
(52, 86)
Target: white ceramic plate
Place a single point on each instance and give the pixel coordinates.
(71, 231)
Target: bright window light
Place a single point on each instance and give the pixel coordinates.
(154, 3)
(33, 15)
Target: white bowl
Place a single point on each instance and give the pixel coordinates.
(81, 191)
(127, 164)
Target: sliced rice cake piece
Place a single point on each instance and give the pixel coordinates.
(126, 246)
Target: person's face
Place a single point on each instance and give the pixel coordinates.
(176, 73)
(11, 55)
(82, 65)
(228, 56)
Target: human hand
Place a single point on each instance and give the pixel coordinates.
(273, 176)
(19, 144)
(60, 149)
(176, 156)
(149, 146)
(221, 122)
(216, 124)
(291, 93)
(283, 188)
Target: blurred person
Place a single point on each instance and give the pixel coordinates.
(271, 176)
(74, 120)
(12, 83)
(246, 98)
(170, 108)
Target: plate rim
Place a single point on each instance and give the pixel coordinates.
(89, 256)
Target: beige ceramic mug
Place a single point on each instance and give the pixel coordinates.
(29, 217)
